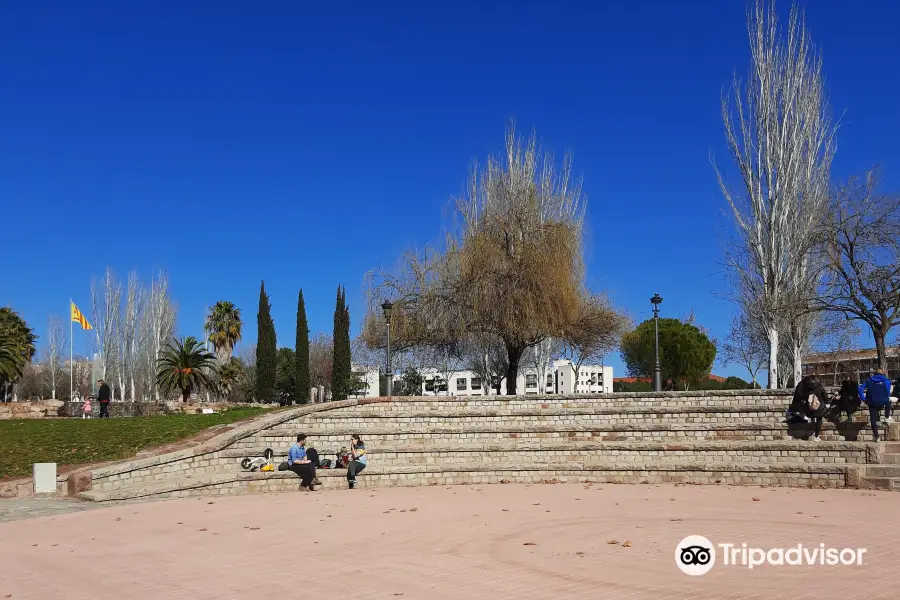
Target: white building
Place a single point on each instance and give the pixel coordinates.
(560, 379)
(370, 377)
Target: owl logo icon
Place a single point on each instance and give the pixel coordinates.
(695, 555)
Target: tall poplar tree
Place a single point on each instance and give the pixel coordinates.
(266, 359)
(301, 353)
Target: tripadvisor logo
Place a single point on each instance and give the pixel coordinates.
(695, 555)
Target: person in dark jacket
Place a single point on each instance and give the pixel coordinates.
(103, 396)
(876, 393)
(848, 399)
(814, 409)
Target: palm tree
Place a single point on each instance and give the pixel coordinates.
(185, 364)
(229, 377)
(10, 361)
(224, 325)
(17, 347)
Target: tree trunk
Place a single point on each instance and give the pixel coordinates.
(798, 361)
(514, 353)
(773, 358)
(185, 394)
(879, 336)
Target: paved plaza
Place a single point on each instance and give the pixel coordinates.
(502, 541)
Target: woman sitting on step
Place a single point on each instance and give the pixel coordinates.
(358, 459)
(810, 399)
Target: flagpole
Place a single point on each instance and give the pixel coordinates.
(71, 355)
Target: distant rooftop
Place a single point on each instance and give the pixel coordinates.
(864, 354)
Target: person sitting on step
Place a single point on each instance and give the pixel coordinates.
(358, 459)
(299, 462)
(848, 400)
(810, 398)
(876, 393)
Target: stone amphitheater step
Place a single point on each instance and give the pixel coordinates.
(551, 402)
(517, 451)
(880, 483)
(380, 433)
(884, 476)
(667, 471)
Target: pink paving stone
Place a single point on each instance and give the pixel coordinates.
(460, 542)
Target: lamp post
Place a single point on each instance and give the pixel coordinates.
(387, 307)
(656, 300)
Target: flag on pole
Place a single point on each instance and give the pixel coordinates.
(77, 317)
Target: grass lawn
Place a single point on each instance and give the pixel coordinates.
(78, 441)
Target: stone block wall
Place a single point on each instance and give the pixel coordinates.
(30, 410)
(695, 437)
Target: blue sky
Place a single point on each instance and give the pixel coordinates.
(306, 143)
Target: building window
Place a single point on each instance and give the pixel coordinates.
(461, 384)
(476, 383)
(429, 385)
(441, 385)
(531, 380)
(549, 382)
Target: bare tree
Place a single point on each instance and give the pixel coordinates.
(864, 258)
(446, 360)
(595, 333)
(321, 361)
(157, 329)
(485, 355)
(511, 268)
(541, 355)
(106, 296)
(781, 138)
(838, 336)
(746, 345)
(134, 309)
(54, 364)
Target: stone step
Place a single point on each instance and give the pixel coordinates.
(890, 458)
(791, 474)
(528, 451)
(379, 432)
(408, 412)
(883, 470)
(880, 483)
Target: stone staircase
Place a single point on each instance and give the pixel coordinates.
(732, 438)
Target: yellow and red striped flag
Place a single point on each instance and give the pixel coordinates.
(79, 318)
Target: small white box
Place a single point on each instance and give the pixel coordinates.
(207, 411)
(44, 476)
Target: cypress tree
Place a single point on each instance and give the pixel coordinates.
(301, 354)
(345, 341)
(266, 358)
(340, 368)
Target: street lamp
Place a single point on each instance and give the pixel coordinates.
(387, 307)
(656, 300)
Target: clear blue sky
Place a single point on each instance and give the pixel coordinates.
(305, 143)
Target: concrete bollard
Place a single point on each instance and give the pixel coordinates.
(44, 477)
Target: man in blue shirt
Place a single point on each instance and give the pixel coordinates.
(301, 465)
(876, 392)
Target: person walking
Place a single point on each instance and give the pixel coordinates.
(300, 464)
(358, 459)
(810, 397)
(876, 393)
(86, 409)
(103, 396)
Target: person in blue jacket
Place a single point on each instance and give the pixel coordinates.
(876, 393)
